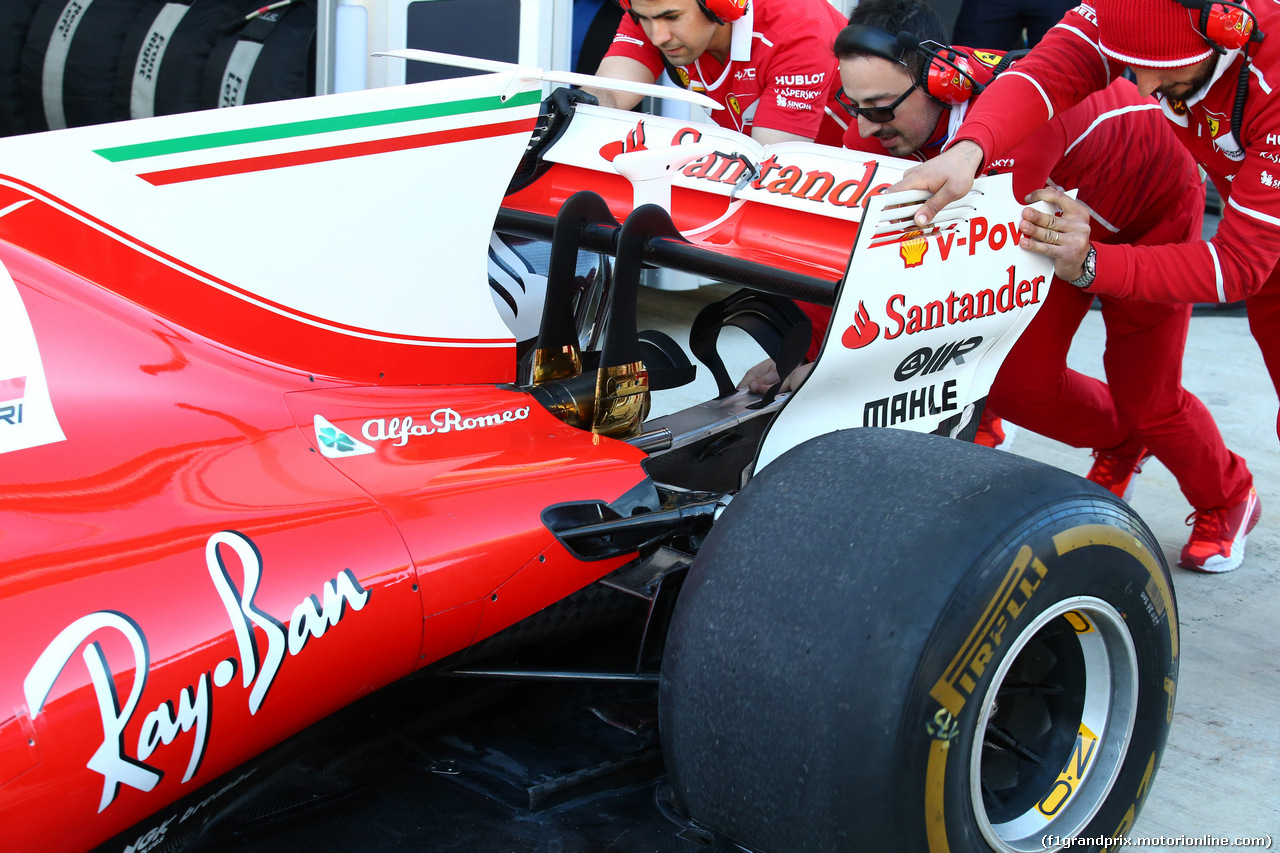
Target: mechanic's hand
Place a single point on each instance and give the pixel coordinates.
(562, 100)
(764, 376)
(948, 176)
(1064, 237)
(760, 378)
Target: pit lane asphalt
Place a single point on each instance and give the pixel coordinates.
(1221, 769)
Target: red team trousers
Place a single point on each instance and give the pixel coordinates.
(1143, 396)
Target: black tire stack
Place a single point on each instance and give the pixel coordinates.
(69, 63)
(15, 21)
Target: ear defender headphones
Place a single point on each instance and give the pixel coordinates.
(717, 11)
(1229, 26)
(946, 75)
(1225, 25)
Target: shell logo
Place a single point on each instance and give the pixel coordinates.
(913, 248)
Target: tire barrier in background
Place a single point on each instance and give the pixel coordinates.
(71, 60)
(271, 57)
(69, 63)
(15, 21)
(164, 55)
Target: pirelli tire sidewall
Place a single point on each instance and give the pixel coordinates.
(854, 581)
(1084, 554)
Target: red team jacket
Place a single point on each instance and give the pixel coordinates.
(781, 72)
(1100, 147)
(1068, 65)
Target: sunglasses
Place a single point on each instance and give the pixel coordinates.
(875, 115)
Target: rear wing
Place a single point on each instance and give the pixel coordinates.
(923, 317)
(792, 206)
(923, 321)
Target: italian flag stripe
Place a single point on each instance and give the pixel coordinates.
(312, 127)
(334, 152)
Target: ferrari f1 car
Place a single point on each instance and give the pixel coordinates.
(269, 449)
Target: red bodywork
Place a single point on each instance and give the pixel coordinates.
(187, 580)
(259, 515)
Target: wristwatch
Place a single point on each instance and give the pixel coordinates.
(1090, 269)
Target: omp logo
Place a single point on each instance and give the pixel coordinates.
(927, 360)
(335, 444)
(800, 79)
(12, 392)
(863, 331)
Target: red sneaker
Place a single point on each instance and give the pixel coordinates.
(992, 432)
(1218, 535)
(1114, 470)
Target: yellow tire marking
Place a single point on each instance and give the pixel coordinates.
(1103, 534)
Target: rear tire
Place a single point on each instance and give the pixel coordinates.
(893, 641)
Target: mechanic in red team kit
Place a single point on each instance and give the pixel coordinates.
(1215, 77)
(768, 62)
(1153, 196)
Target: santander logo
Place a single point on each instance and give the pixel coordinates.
(633, 142)
(863, 331)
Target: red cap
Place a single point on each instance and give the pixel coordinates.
(1150, 33)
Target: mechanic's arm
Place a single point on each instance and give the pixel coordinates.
(949, 176)
(1233, 265)
(620, 68)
